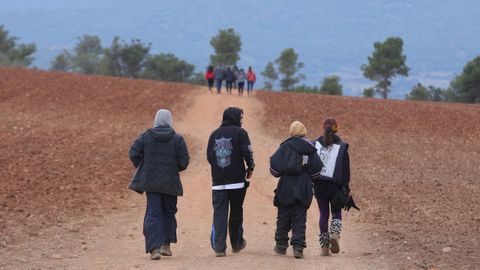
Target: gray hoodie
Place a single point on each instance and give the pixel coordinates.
(163, 118)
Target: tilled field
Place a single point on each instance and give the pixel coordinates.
(64, 141)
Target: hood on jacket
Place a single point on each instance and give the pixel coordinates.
(162, 133)
(301, 145)
(163, 118)
(232, 116)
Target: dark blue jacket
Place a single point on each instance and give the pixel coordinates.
(159, 154)
(229, 149)
(294, 187)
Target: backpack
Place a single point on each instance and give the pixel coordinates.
(292, 160)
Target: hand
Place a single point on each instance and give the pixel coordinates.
(249, 174)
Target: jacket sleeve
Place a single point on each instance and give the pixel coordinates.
(183, 158)
(210, 150)
(247, 151)
(315, 167)
(276, 163)
(136, 151)
(346, 170)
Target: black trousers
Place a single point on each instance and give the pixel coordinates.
(221, 201)
(240, 88)
(293, 218)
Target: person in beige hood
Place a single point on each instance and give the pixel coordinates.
(297, 164)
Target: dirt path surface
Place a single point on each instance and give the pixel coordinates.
(117, 242)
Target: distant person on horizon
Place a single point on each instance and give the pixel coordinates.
(209, 77)
(228, 151)
(297, 164)
(219, 73)
(333, 188)
(235, 76)
(229, 79)
(159, 154)
(241, 81)
(251, 78)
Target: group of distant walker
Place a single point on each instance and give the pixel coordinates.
(233, 77)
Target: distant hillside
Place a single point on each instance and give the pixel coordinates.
(330, 37)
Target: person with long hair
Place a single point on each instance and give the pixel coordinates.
(334, 183)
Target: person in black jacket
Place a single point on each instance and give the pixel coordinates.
(334, 180)
(297, 164)
(228, 150)
(159, 154)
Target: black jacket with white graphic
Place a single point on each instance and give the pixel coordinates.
(229, 150)
(341, 175)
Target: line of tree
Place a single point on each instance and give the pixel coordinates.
(135, 61)
(464, 88)
(123, 59)
(285, 70)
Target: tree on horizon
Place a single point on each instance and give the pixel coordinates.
(466, 86)
(386, 61)
(331, 86)
(13, 54)
(270, 76)
(227, 44)
(288, 66)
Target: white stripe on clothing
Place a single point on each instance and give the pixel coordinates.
(229, 186)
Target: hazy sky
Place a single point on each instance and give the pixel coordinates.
(331, 37)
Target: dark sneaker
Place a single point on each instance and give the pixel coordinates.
(155, 254)
(244, 244)
(279, 251)
(220, 254)
(298, 254)
(165, 250)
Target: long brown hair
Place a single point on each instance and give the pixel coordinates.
(330, 127)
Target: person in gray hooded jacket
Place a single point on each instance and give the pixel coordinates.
(159, 154)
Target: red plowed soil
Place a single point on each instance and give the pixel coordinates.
(64, 168)
(415, 171)
(64, 140)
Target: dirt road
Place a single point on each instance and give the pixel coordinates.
(116, 242)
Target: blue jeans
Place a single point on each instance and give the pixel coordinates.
(250, 86)
(159, 224)
(219, 86)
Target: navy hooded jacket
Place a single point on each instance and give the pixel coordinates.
(295, 187)
(159, 154)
